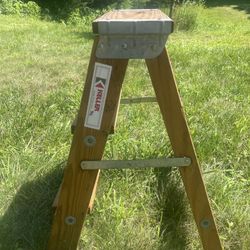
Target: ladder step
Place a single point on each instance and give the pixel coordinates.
(151, 163)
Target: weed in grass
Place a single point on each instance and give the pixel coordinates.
(186, 15)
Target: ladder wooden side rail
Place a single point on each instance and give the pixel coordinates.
(78, 186)
(167, 94)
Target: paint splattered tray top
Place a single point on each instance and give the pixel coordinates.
(134, 14)
(135, 21)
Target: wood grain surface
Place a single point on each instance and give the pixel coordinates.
(163, 80)
(78, 186)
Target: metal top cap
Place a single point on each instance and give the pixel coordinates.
(133, 22)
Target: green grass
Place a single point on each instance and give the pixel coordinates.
(42, 69)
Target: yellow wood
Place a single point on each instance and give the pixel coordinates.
(91, 203)
(78, 188)
(92, 199)
(78, 185)
(162, 77)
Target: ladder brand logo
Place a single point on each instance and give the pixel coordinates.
(99, 91)
(97, 97)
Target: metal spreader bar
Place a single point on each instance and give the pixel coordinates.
(151, 163)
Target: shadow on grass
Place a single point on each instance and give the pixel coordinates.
(26, 223)
(172, 203)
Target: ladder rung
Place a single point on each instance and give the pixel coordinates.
(119, 164)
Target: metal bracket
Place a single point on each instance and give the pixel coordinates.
(134, 47)
(119, 164)
(132, 33)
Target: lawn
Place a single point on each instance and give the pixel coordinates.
(42, 71)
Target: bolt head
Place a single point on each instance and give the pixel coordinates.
(205, 223)
(70, 220)
(154, 47)
(89, 140)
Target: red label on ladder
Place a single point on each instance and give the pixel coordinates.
(97, 96)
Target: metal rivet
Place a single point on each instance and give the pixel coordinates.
(205, 223)
(82, 165)
(70, 220)
(101, 46)
(153, 47)
(188, 160)
(90, 140)
(124, 45)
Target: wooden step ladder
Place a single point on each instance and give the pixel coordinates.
(122, 35)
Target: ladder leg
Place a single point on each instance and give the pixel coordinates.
(78, 185)
(163, 81)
